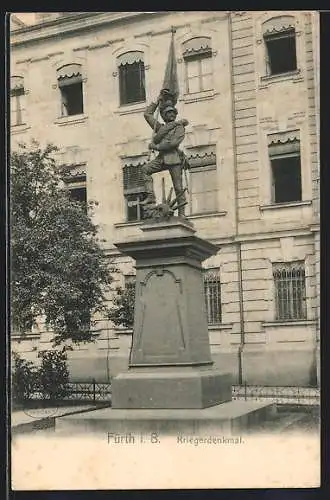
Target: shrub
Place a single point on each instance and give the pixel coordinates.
(24, 379)
(53, 374)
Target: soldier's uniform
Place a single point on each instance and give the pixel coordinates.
(167, 137)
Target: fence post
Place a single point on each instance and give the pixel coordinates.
(245, 391)
(94, 388)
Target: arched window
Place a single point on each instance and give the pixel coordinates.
(69, 78)
(280, 42)
(17, 101)
(197, 54)
(131, 77)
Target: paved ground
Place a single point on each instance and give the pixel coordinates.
(32, 419)
(293, 420)
(286, 420)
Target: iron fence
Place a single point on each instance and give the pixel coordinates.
(300, 396)
(304, 396)
(89, 391)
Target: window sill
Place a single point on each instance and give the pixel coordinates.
(70, 120)
(220, 326)
(295, 75)
(128, 224)
(222, 213)
(122, 330)
(298, 322)
(19, 129)
(274, 206)
(204, 95)
(127, 109)
(25, 336)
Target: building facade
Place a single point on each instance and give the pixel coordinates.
(249, 87)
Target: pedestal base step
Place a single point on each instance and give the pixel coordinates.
(185, 388)
(230, 418)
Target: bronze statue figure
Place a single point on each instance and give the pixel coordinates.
(165, 140)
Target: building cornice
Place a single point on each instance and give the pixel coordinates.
(76, 22)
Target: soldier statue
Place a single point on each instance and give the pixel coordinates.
(165, 140)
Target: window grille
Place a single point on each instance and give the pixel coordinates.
(131, 77)
(212, 292)
(290, 291)
(197, 54)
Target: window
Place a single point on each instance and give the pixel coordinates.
(280, 42)
(17, 101)
(203, 181)
(290, 291)
(131, 78)
(212, 296)
(130, 280)
(70, 83)
(197, 55)
(284, 154)
(76, 185)
(133, 191)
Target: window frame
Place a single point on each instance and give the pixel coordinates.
(77, 182)
(69, 75)
(136, 188)
(268, 38)
(284, 145)
(18, 93)
(273, 187)
(199, 57)
(122, 79)
(202, 160)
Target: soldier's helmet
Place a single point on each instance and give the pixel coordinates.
(165, 110)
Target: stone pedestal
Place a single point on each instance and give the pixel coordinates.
(170, 361)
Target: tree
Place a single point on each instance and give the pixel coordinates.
(122, 312)
(58, 267)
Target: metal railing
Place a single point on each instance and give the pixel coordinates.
(300, 396)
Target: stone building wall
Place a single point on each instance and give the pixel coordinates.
(244, 107)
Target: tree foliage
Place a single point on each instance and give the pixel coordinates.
(122, 311)
(58, 268)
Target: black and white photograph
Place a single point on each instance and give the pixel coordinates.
(164, 213)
